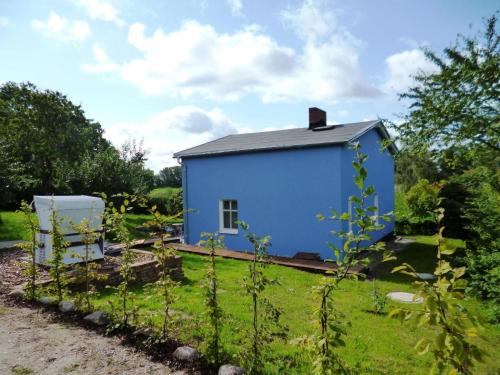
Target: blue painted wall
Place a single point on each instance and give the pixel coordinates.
(380, 167)
(280, 192)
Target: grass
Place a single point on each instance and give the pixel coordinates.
(135, 221)
(375, 343)
(12, 228)
(163, 192)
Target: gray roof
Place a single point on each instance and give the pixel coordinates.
(283, 139)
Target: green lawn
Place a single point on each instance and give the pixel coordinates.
(163, 192)
(377, 344)
(11, 225)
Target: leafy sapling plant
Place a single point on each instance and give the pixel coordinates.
(58, 269)
(32, 227)
(115, 224)
(363, 221)
(453, 348)
(87, 273)
(266, 324)
(165, 285)
(212, 242)
(379, 300)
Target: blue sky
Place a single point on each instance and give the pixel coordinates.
(179, 73)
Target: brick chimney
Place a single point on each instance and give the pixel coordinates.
(317, 118)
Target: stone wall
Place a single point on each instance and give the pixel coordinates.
(146, 271)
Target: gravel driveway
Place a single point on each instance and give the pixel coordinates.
(31, 343)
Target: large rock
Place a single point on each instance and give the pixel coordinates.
(404, 297)
(186, 354)
(231, 370)
(66, 306)
(98, 318)
(426, 276)
(47, 301)
(17, 292)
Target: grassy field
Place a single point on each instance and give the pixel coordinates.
(376, 344)
(163, 192)
(11, 225)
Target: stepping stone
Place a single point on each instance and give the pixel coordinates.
(231, 370)
(98, 317)
(46, 301)
(66, 306)
(427, 276)
(17, 292)
(186, 354)
(404, 297)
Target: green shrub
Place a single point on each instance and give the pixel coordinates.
(168, 201)
(453, 195)
(483, 247)
(422, 199)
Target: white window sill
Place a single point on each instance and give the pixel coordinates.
(228, 231)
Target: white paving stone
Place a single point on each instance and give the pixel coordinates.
(404, 297)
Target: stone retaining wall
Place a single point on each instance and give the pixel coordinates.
(147, 271)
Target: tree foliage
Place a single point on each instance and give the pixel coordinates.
(32, 227)
(169, 177)
(332, 326)
(454, 348)
(266, 324)
(58, 267)
(87, 273)
(114, 222)
(48, 146)
(214, 312)
(483, 245)
(459, 104)
(422, 199)
(163, 253)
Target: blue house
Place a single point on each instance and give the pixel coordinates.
(278, 181)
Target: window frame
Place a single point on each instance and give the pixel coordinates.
(376, 219)
(222, 210)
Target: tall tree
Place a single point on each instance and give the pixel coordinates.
(459, 104)
(169, 176)
(49, 146)
(47, 133)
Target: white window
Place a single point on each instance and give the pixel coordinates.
(349, 210)
(228, 216)
(376, 213)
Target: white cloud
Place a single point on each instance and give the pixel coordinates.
(196, 60)
(62, 28)
(311, 20)
(403, 66)
(4, 22)
(101, 10)
(236, 6)
(173, 130)
(102, 64)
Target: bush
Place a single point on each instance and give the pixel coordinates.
(454, 194)
(422, 199)
(414, 211)
(409, 225)
(483, 246)
(168, 201)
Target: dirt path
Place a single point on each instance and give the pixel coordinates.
(31, 343)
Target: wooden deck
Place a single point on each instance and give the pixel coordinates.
(302, 264)
(395, 245)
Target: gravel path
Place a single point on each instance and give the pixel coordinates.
(31, 343)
